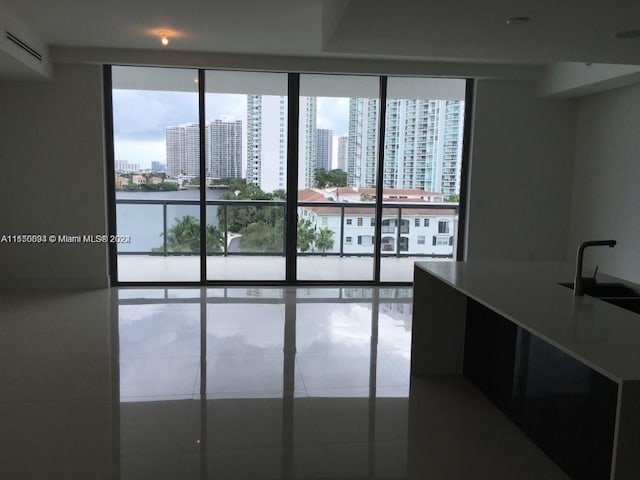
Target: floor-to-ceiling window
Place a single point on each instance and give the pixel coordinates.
(246, 163)
(156, 173)
(424, 126)
(337, 164)
(354, 179)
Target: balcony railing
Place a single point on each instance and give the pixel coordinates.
(138, 223)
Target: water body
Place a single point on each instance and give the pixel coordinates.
(212, 194)
(144, 224)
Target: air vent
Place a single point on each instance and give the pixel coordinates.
(22, 45)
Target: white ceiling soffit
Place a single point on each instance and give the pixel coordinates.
(568, 79)
(570, 30)
(22, 54)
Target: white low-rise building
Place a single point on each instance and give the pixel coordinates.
(417, 222)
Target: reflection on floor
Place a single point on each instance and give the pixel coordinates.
(237, 383)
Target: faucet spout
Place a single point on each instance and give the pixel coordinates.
(578, 283)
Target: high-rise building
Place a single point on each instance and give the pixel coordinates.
(452, 147)
(324, 147)
(343, 143)
(191, 158)
(423, 144)
(307, 142)
(175, 150)
(183, 150)
(224, 148)
(363, 142)
(267, 141)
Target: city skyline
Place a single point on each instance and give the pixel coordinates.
(223, 149)
(140, 118)
(423, 141)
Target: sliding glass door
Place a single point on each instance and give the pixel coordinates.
(227, 176)
(246, 163)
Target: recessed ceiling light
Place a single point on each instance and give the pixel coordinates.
(517, 20)
(627, 34)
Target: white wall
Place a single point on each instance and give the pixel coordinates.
(606, 195)
(53, 180)
(520, 178)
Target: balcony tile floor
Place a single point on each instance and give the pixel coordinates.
(237, 383)
(146, 268)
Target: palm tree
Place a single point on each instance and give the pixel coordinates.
(215, 240)
(305, 235)
(324, 240)
(184, 236)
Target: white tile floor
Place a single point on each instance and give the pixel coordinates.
(247, 384)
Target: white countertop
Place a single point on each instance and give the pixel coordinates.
(601, 335)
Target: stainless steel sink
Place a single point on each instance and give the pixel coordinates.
(606, 290)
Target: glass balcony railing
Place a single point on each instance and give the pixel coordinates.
(256, 227)
(172, 227)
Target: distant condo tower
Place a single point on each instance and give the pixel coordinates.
(343, 143)
(267, 157)
(324, 145)
(267, 141)
(423, 144)
(223, 149)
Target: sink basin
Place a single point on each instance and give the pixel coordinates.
(609, 290)
(631, 304)
(617, 294)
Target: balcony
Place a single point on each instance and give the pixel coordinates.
(154, 256)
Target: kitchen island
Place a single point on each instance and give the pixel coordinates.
(565, 369)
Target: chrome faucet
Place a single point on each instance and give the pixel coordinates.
(578, 282)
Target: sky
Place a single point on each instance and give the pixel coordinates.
(140, 118)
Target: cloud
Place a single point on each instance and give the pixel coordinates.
(144, 115)
(333, 113)
(233, 105)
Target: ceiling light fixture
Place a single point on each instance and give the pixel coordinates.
(627, 35)
(164, 37)
(517, 20)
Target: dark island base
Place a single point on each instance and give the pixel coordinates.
(564, 406)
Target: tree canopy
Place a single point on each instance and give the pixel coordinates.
(261, 227)
(331, 178)
(184, 237)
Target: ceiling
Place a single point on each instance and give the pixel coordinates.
(427, 30)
